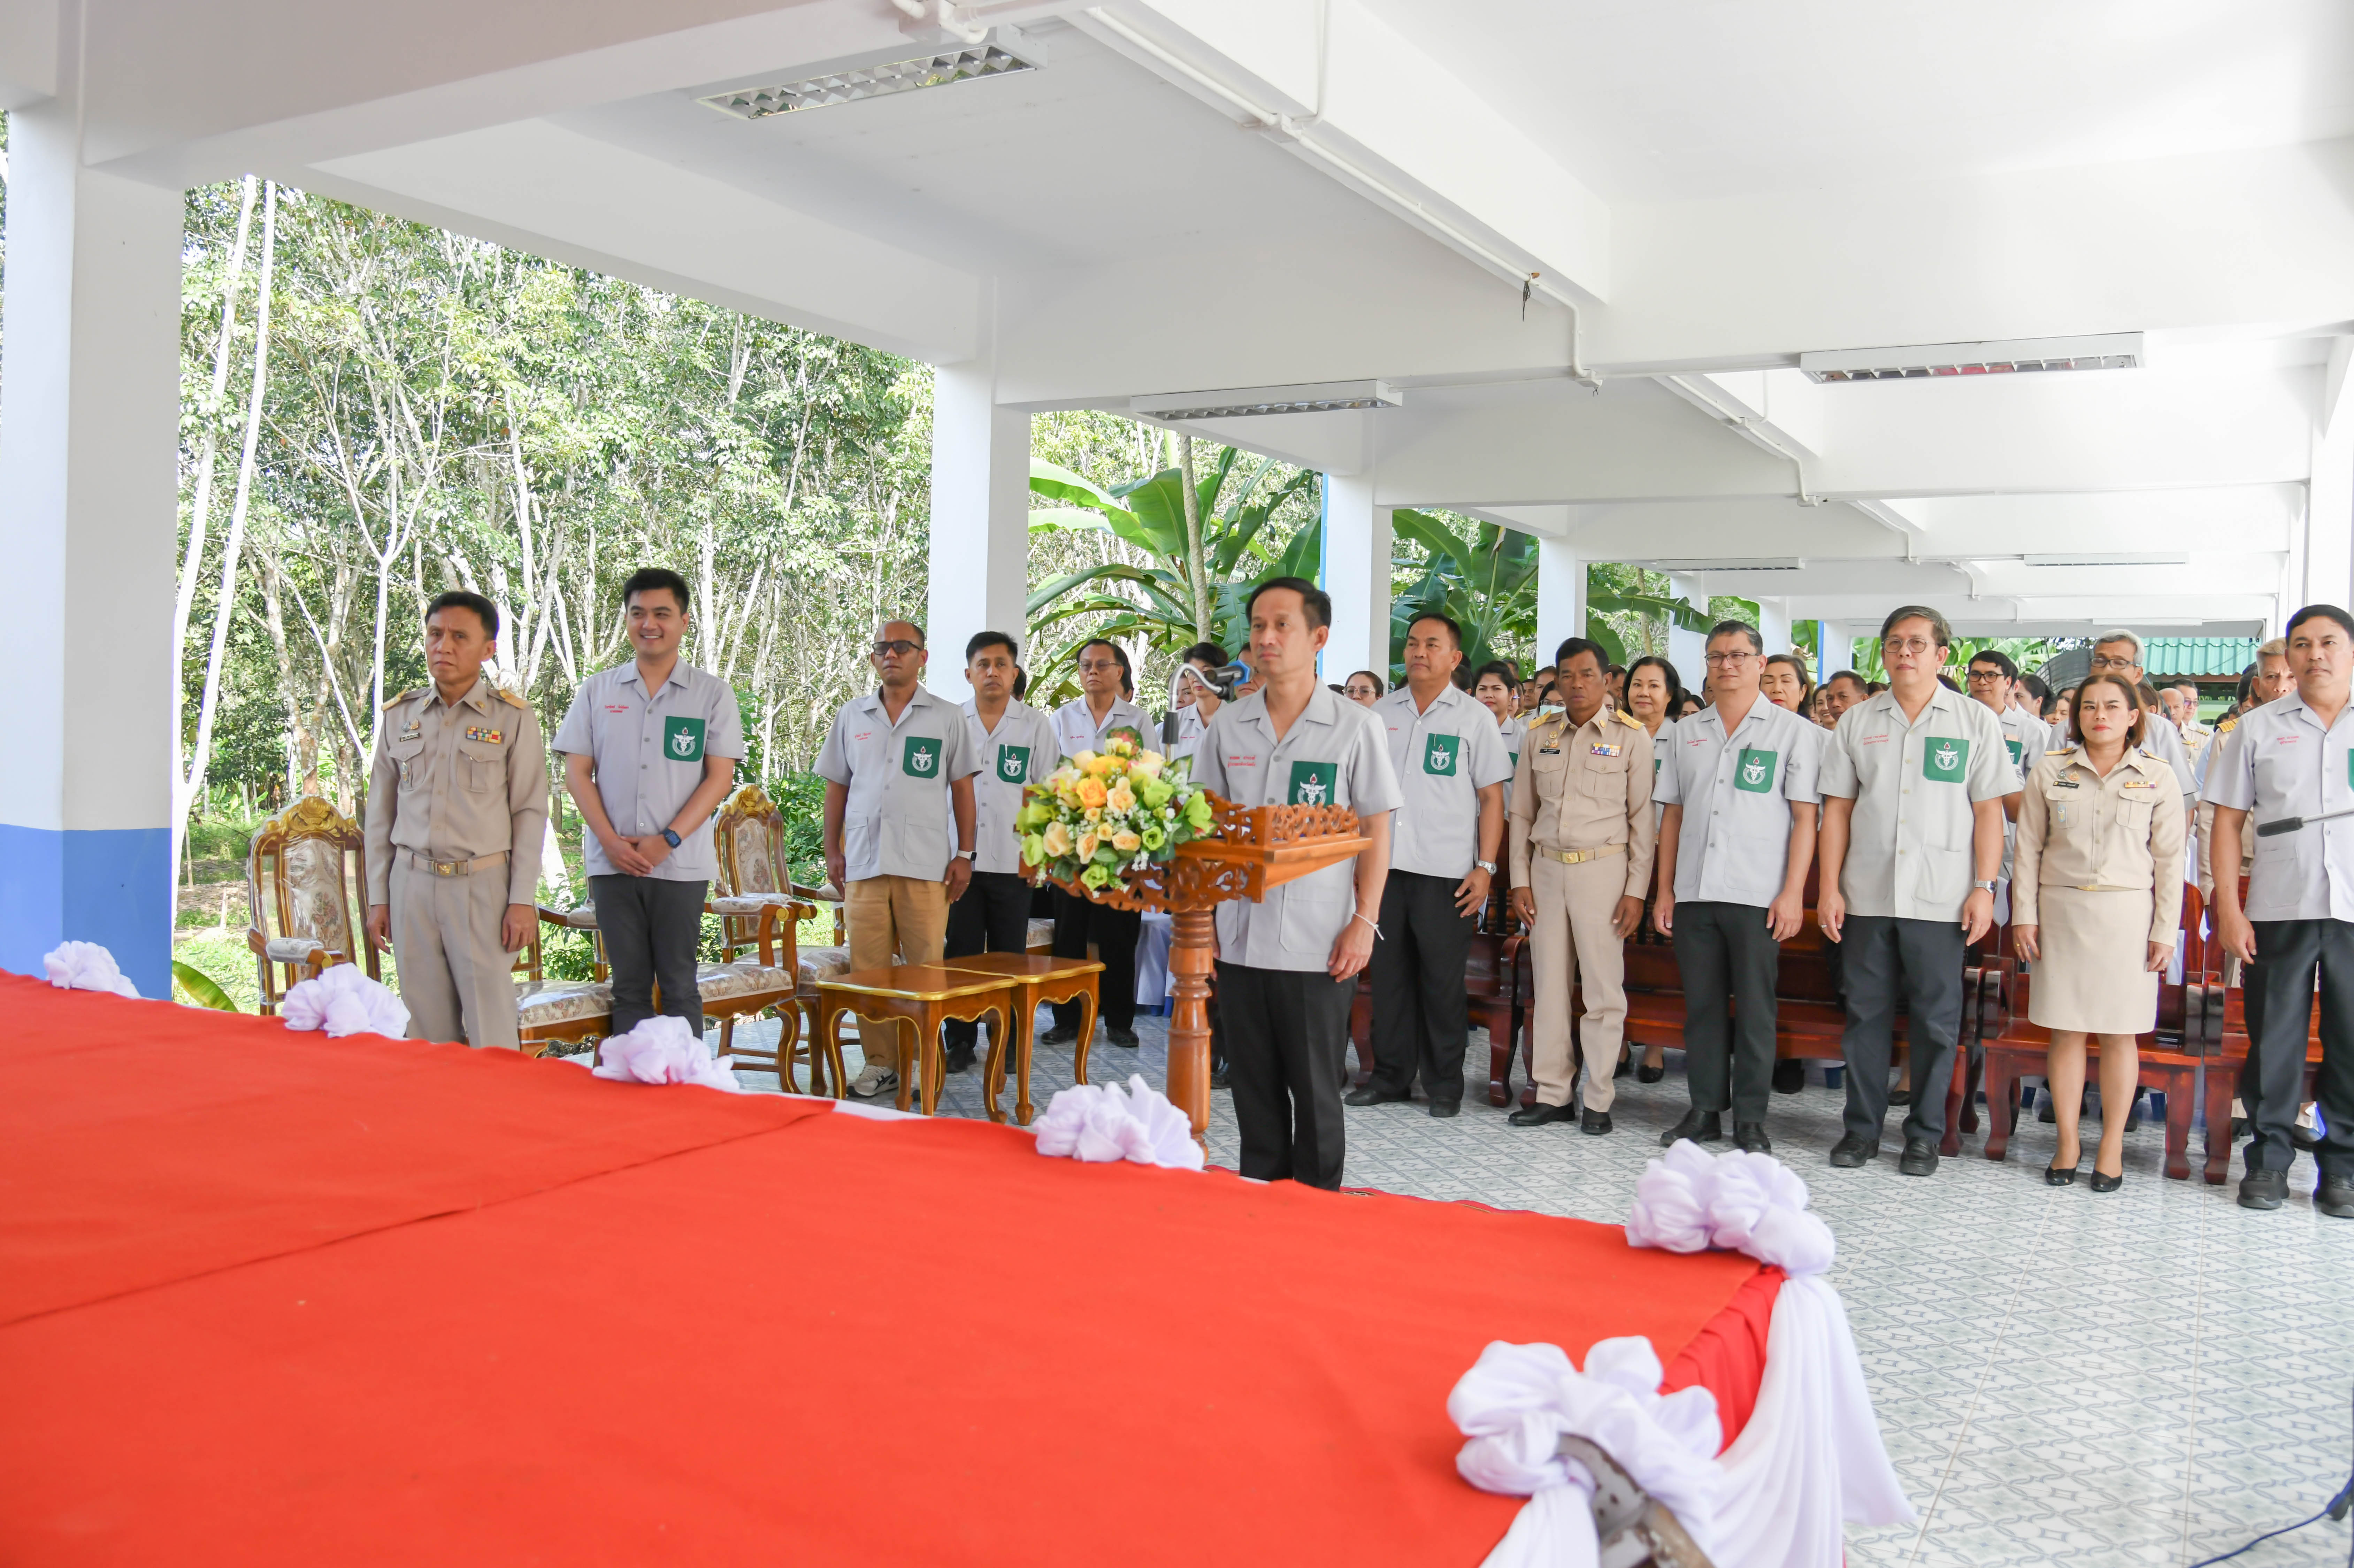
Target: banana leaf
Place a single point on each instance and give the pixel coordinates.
(202, 988)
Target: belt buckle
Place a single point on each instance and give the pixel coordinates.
(445, 868)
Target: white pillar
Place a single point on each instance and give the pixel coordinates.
(1688, 651)
(1561, 596)
(1837, 645)
(980, 522)
(90, 405)
(1773, 624)
(2329, 576)
(1356, 557)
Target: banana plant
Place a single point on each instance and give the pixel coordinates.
(1156, 601)
(1675, 611)
(1487, 581)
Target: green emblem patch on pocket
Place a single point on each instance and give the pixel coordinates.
(1013, 764)
(921, 757)
(682, 739)
(1440, 752)
(1944, 759)
(1754, 772)
(1311, 783)
(2015, 748)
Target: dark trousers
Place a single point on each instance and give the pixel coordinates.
(1725, 955)
(1077, 922)
(651, 929)
(2290, 955)
(1421, 1014)
(1919, 962)
(993, 916)
(1286, 1031)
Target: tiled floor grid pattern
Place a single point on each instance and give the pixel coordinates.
(2148, 1377)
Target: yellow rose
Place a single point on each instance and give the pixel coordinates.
(1086, 846)
(1100, 767)
(1093, 813)
(1148, 764)
(1121, 797)
(1058, 838)
(1091, 792)
(1127, 843)
(1085, 761)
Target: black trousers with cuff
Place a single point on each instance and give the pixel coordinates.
(1077, 922)
(1421, 1014)
(993, 916)
(2294, 957)
(1728, 960)
(1883, 961)
(1286, 1032)
(650, 927)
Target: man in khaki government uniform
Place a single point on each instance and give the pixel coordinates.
(457, 807)
(1583, 834)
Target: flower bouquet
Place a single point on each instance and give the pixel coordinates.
(1103, 815)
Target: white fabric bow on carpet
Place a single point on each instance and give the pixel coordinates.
(342, 999)
(1517, 1403)
(86, 966)
(1690, 1201)
(663, 1050)
(1095, 1121)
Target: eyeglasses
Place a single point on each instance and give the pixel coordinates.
(2114, 662)
(899, 645)
(1099, 664)
(1915, 645)
(1986, 675)
(1727, 658)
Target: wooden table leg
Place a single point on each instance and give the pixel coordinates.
(992, 1072)
(1188, 1027)
(2220, 1084)
(2178, 1126)
(2002, 1103)
(1020, 1031)
(927, 1052)
(902, 1059)
(1087, 1008)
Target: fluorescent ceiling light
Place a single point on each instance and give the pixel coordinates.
(2113, 351)
(1316, 398)
(1684, 568)
(937, 70)
(2096, 558)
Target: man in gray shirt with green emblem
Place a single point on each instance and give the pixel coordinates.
(1288, 964)
(649, 750)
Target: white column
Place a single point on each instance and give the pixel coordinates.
(1356, 557)
(1837, 649)
(1688, 651)
(1773, 624)
(2329, 576)
(90, 403)
(980, 522)
(1561, 596)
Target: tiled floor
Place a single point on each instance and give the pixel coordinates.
(2148, 1377)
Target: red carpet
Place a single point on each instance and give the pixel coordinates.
(516, 1315)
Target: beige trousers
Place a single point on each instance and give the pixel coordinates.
(456, 978)
(894, 920)
(1574, 944)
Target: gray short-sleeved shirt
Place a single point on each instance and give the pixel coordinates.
(1019, 752)
(2025, 737)
(1442, 758)
(1910, 840)
(895, 822)
(1333, 755)
(1733, 844)
(2277, 762)
(1076, 729)
(648, 753)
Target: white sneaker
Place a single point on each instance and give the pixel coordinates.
(873, 1081)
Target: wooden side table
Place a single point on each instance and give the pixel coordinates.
(1035, 979)
(924, 996)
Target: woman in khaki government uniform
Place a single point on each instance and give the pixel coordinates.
(2097, 891)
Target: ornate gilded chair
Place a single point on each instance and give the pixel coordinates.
(759, 915)
(548, 1012)
(306, 883)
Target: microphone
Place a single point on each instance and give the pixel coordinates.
(2291, 824)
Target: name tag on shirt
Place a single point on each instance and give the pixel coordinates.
(624, 707)
(1549, 748)
(2140, 784)
(2064, 784)
(1881, 739)
(1238, 759)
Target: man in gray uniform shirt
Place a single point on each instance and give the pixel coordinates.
(1287, 965)
(649, 750)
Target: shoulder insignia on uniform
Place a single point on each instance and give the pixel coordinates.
(2060, 751)
(1630, 720)
(2225, 726)
(508, 697)
(392, 703)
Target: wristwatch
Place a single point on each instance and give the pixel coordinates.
(670, 838)
(1983, 887)
(968, 855)
(1486, 866)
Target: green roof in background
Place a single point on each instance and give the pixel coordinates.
(2210, 656)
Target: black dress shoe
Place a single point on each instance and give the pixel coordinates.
(1749, 1137)
(2055, 1176)
(1920, 1158)
(1061, 1034)
(2100, 1183)
(1446, 1107)
(1122, 1037)
(1790, 1077)
(1647, 1073)
(1370, 1096)
(1900, 1097)
(1699, 1126)
(1626, 1065)
(1541, 1113)
(1852, 1152)
(2304, 1142)
(1217, 1075)
(960, 1059)
(1594, 1123)
(2264, 1189)
(2335, 1197)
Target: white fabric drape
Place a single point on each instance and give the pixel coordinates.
(342, 999)
(1097, 1122)
(86, 966)
(663, 1050)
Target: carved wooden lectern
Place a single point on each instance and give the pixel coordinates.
(1250, 851)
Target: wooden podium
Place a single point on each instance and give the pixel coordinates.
(1248, 851)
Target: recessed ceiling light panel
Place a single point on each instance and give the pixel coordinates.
(938, 69)
(1318, 397)
(2110, 351)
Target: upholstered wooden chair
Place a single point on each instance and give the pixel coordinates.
(553, 1012)
(759, 914)
(306, 884)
